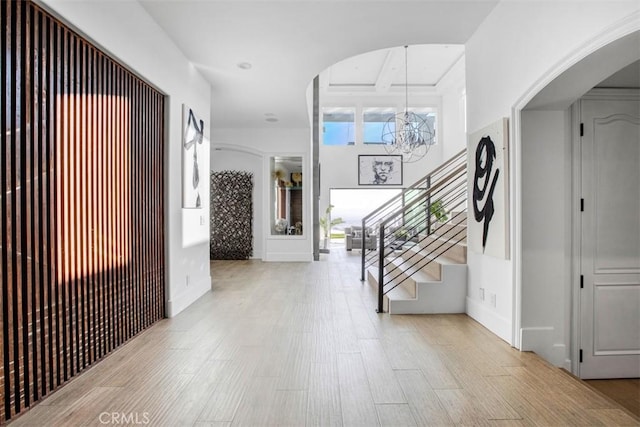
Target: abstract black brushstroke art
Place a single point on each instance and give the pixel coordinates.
(192, 137)
(231, 215)
(488, 161)
(485, 155)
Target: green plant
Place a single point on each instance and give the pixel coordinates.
(437, 209)
(401, 233)
(326, 223)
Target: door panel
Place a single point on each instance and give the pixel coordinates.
(616, 308)
(610, 233)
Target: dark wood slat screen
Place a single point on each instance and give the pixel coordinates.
(82, 236)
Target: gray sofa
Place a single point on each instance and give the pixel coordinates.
(353, 236)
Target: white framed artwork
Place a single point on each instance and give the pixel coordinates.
(488, 201)
(379, 169)
(193, 151)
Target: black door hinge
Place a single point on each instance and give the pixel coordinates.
(581, 205)
(581, 281)
(581, 129)
(580, 355)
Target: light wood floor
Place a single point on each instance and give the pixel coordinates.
(300, 344)
(625, 391)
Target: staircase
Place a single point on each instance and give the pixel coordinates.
(420, 262)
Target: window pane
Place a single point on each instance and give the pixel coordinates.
(429, 116)
(374, 120)
(338, 126)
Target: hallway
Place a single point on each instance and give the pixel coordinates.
(300, 344)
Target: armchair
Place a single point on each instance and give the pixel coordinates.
(353, 236)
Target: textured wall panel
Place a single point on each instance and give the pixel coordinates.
(231, 215)
(82, 243)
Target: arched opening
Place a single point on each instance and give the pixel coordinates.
(549, 209)
(356, 95)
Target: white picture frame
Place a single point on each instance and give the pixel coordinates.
(380, 169)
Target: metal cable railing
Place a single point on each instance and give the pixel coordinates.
(419, 225)
(373, 220)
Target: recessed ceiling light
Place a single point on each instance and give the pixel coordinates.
(245, 65)
(269, 114)
(271, 119)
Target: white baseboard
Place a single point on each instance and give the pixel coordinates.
(288, 257)
(540, 340)
(185, 299)
(490, 319)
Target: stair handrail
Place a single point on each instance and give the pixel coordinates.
(454, 183)
(411, 213)
(417, 185)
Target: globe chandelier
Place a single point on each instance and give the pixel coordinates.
(407, 133)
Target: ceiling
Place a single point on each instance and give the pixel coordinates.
(288, 42)
(383, 71)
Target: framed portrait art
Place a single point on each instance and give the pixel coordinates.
(379, 169)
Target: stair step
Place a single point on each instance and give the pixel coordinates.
(403, 292)
(447, 296)
(450, 231)
(416, 272)
(457, 252)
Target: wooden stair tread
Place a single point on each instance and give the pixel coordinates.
(440, 238)
(417, 274)
(440, 259)
(399, 293)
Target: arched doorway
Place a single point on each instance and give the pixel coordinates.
(547, 280)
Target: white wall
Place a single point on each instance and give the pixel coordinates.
(125, 30)
(270, 142)
(454, 111)
(339, 164)
(546, 234)
(519, 45)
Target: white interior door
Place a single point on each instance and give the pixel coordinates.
(610, 258)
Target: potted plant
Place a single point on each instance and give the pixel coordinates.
(438, 211)
(326, 223)
(401, 233)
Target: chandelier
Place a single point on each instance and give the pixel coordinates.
(407, 133)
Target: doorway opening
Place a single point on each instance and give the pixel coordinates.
(353, 204)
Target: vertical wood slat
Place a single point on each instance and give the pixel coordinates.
(81, 249)
(5, 407)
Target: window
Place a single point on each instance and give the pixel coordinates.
(338, 126)
(374, 120)
(429, 116)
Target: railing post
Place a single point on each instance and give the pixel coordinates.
(428, 206)
(363, 254)
(381, 270)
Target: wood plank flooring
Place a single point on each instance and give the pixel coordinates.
(624, 391)
(300, 344)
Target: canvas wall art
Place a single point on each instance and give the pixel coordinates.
(379, 170)
(193, 187)
(488, 211)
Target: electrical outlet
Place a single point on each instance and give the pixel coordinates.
(493, 300)
(481, 294)
(201, 220)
